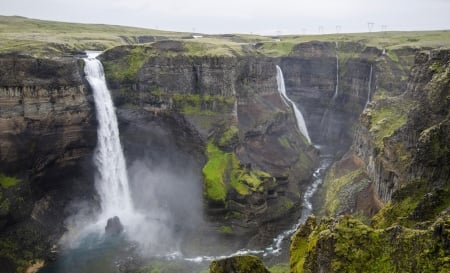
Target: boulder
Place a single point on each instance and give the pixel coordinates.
(238, 264)
(113, 227)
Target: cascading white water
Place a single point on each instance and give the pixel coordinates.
(298, 115)
(111, 179)
(336, 90)
(369, 88)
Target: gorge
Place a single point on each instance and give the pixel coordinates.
(218, 162)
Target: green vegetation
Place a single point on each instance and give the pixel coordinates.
(350, 246)
(280, 268)
(238, 264)
(339, 186)
(223, 170)
(212, 47)
(196, 104)
(7, 182)
(387, 117)
(277, 49)
(391, 54)
(49, 38)
(226, 230)
(414, 203)
(214, 173)
(284, 141)
(230, 134)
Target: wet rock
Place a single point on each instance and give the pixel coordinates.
(113, 227)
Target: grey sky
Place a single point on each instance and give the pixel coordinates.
(243, 16)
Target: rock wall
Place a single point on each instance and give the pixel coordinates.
(403, 139)
(311, 76)
(401, 145)
(47, 135)
(248, 133)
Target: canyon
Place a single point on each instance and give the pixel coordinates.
(212, 113)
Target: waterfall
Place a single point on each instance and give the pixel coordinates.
(298, 115)
(111, 179)
(369, 88)
(336, 90)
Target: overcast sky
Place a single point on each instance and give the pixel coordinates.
(243, 16)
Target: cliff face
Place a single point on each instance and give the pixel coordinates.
(331, 82)
(47, 135)
(400, 158)
(403, 139)
(254, 159)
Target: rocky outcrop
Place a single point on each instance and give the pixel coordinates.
(402, 146)
(47, 134)
(403, 139)
(344, 245)
(238, 264)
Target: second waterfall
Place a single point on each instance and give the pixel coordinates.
(298, 115)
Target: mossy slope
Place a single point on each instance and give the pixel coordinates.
(347, 245)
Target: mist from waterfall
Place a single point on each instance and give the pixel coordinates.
(298, 115)
(146, 218)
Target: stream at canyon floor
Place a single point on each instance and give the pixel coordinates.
(102, 254)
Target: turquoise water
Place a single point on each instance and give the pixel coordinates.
(94, 254)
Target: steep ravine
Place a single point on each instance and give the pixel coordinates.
(399, 162)
(190, 111)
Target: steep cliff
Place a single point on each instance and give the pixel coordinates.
(400, 160)
(255, 162)
(47, 134)
(332, 81)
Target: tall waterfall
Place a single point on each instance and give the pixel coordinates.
(336, 90)
(369, 91)
(298, 115)
(111, 180)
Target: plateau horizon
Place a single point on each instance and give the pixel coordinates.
(258, 17)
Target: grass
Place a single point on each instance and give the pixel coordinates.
(50, 38)
(388, 117)
(354, 247)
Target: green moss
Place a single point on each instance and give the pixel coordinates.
(284, 141)
(302, 244)
(7, 181)
(415, 202)
(387, 118)
(229, 135)
(334, 185)
(196, 104)
(223, 169)
(214, 173)
(127, 66)
(280, 268)
(226, 230)
(351, 246)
